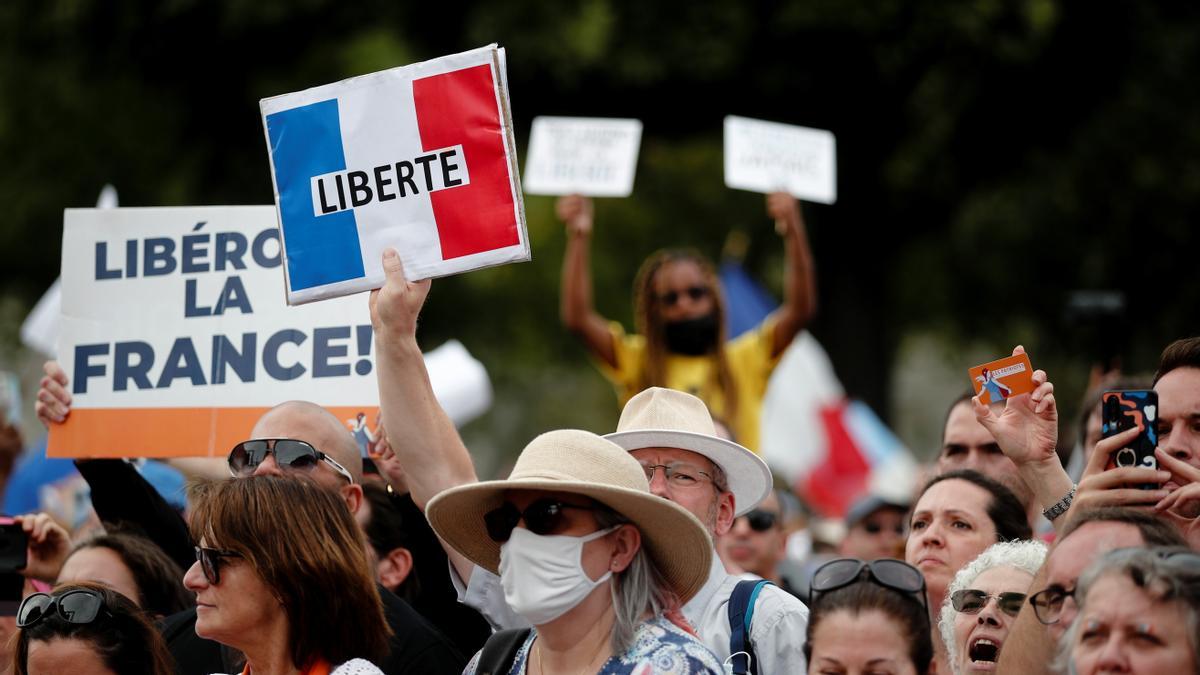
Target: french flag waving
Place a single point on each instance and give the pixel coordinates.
(420, 158)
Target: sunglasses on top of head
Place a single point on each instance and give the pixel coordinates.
(896, 575)
(75, 607)
(694, 293)
(290, 454)
(544, 516)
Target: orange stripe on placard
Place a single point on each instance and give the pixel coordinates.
(163, 432)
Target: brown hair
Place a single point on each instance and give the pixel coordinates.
(124, 639)
(305, 546)
(864, 596)
(1003, 509)
(1183, 353)
(651, 325)
(159, 579)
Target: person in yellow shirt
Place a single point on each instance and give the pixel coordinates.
(680, 313)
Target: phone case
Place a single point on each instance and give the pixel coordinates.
(1125, 410)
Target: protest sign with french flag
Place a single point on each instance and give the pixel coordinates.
(420, 158)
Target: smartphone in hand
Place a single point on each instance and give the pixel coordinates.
(1122, 410)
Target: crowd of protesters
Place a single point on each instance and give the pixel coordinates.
(662, 546)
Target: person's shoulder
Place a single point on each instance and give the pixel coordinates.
(357, 667)
(415, 641)
(772, 596)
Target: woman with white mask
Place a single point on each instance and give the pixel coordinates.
(596, 563)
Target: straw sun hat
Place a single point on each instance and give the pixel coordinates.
(666, 418)
(582, 463)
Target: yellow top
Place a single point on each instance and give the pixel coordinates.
(750, 365)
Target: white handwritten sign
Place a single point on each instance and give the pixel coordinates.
(770, 157)
(582, 155)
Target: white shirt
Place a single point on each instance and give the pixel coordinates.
(778, 628)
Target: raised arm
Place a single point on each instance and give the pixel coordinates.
(577, 310)
(800, 279)
(1027, 432)
(427, 444)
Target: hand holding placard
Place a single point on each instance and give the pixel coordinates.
(577, 213)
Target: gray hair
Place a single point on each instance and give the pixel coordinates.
(636, 592)
(1166, 574)
(1026, 556)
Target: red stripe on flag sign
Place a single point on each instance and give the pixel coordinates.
(460, 107)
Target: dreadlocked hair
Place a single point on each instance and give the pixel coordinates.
(650, 324)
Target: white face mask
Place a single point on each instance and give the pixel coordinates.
(543, 575)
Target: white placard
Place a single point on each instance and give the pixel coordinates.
(176, 336)
(420, 158)
(771, 157)
(590, 156)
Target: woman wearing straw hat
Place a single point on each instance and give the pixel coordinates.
(595, 562)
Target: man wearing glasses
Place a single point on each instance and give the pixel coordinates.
(1051, 608)
(670, 433)
(756, 542)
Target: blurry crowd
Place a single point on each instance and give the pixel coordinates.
(664, 545)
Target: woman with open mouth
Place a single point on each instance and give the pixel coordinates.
(983, 602)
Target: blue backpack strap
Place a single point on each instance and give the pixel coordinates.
(741, 614)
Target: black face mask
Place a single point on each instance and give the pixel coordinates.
(692, 337)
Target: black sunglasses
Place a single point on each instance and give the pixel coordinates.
(544, 516)
(78, 607)
(894, 574)
(972, 601)
(694, 292)
(760, 520)
(289, 454)
(210, 562)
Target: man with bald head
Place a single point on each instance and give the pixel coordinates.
(336, 466)
(295, 438)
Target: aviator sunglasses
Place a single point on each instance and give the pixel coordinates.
(77, 607)
(544, 516)
(289, 454)
(972, 601)
(894, 574)
(760, 520)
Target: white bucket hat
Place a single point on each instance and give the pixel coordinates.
(666, 418)
(580, 462)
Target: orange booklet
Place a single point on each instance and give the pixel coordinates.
(1003, 378)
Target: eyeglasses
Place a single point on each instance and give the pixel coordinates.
(693, 292)
(972, 601)
(544, 516)
(210, 562)
(77, 607)
(677, 474)
(894, 574)
(289, 454)
(1048, 603)
(760, 520)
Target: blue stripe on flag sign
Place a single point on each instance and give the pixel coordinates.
(307, 142)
